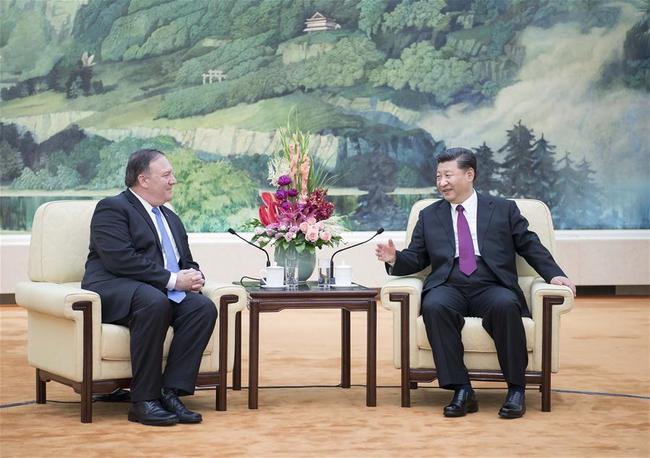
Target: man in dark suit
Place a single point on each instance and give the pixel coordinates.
(470, 242)
(141, 266)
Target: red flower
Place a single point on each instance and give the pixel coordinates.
(269, 210)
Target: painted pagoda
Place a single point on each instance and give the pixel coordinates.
(319, 23)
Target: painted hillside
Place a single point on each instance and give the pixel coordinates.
(552, 95)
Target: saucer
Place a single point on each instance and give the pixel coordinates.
(273, 287)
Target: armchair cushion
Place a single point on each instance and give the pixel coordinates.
(475, 338)
(116, 339)
(58, 249)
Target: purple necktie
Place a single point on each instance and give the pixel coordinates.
(466, 258)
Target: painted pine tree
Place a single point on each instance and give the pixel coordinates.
(568, 190)
(516, 179)
(544, 170)
(527, 169)
(578, 197)
(488, 169)
(591, 193)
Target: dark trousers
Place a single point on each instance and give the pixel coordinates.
(150, 316)
(479, 295)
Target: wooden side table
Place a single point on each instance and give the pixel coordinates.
(310, 297)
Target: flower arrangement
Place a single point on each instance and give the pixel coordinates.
(297, 214)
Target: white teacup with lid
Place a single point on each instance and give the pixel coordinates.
(342, 275)
(272, 276)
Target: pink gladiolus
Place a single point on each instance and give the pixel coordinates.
(293, 162)
(304, 175)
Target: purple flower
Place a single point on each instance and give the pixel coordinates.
(293, 192)
(281, 194)
(284, 180)
(285, 205)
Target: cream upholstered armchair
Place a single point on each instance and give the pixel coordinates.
(412, 352)
(66, 340)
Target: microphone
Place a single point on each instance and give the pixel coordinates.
(379, 231)
(268, 259)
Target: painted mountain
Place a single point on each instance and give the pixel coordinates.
(553, 96)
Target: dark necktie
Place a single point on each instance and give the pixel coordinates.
(466, 257)
(170, 257)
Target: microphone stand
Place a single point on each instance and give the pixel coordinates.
(268, 259)
(332, 279)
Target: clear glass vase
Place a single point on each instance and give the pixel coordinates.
(306, 261)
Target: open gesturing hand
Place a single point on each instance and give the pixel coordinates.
(386, 252)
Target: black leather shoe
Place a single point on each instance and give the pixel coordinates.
(119, 395)
(463, 402)
(514, 405)
(151, 413)
(170, 401)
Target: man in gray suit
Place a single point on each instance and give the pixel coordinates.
(141, 266)
(470, 241)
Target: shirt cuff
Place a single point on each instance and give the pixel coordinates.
(171, 284)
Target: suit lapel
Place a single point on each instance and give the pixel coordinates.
(443, 213)
(484, 211)
(140, 209)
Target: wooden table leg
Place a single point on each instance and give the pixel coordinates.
(345, 348)
(253, 355)
(405, 352)
(371, 357)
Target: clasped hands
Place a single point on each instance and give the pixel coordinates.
(189, 280)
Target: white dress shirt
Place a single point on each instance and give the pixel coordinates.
(148, 207)
(471, 208)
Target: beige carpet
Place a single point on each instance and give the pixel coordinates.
(605, 348)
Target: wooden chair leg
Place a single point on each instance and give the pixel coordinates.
(87, 368)
(547, 325)
(546, 395)
(236, 371)
(222, 384)
(86, 401)
(41, 389)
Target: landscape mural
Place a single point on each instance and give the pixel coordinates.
(553, 95)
